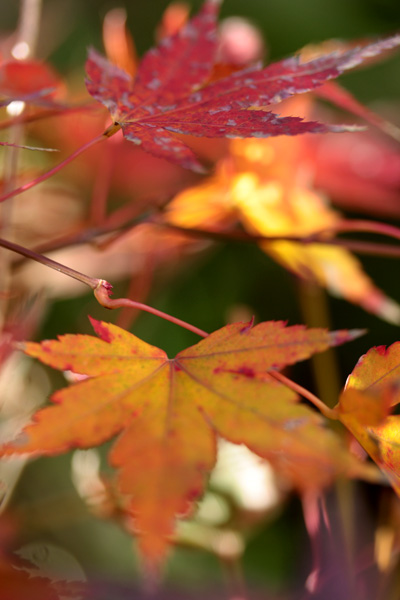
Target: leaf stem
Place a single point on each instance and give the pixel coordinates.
(101, 185)
(54, 170)
(325, 410)
(102, 295)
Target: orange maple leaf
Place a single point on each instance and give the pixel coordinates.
(364, 407)
(169, 413)
(267, 186)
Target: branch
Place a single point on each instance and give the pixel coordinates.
(127, 217)
(319, 237)
(48, 262)
(89, 234)
(102, 289)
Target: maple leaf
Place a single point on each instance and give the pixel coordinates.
(169, 413)
(172, 92)
(364, 406)
(337, 95)
(371, 184)
(28, 80)
(17, 585)
(261, 184)
(22, 578)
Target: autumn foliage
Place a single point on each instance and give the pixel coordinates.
(235, 152)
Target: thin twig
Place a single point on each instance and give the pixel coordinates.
(122, 220)
(364, 226)
(48, 262)
(102, 295)
(325, 410)
(319, 237)
(54, 170)
(101, 288)
(121, 226)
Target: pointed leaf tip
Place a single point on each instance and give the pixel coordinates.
(345, 335)
(247, 326)
(102, 330)
(187, 100)
(356, 333)
(346, 128)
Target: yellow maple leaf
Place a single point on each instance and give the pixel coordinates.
(266, 185)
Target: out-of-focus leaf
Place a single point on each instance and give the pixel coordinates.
(28, 79)
(265, 185)
(364, 407)
(359, 171)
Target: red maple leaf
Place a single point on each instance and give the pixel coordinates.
(172, 92)
(30, 81)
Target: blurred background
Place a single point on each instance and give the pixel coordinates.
(250, 529)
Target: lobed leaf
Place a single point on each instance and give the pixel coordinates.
(364, 407)
(169, 413)
(379, 367)
(170, 93)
